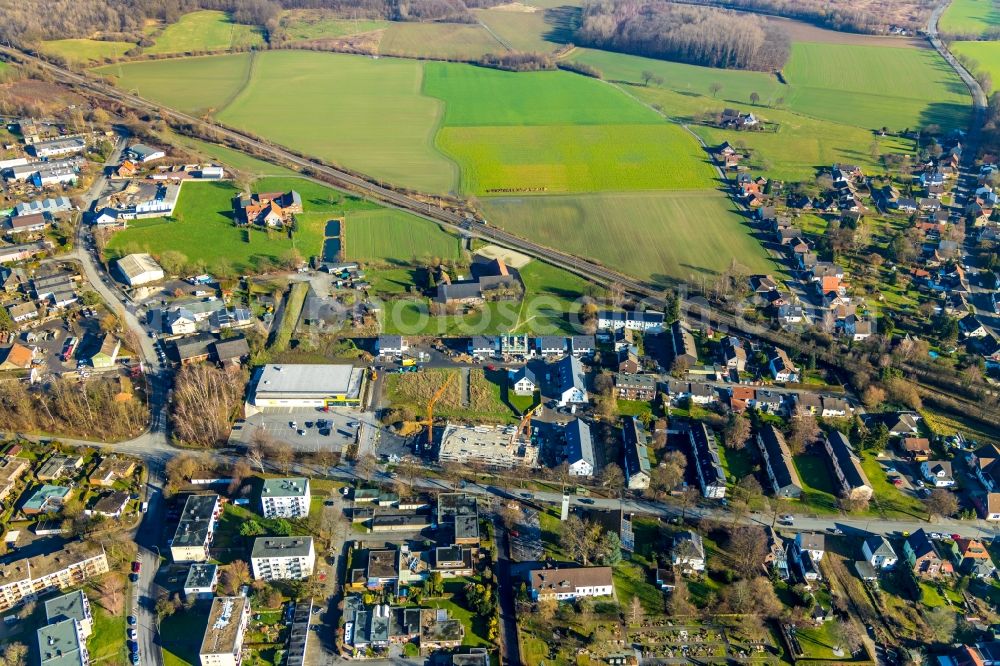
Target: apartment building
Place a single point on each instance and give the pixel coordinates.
(60, 644)
(196, 528)
(222, 644)
(11, 470)
(72, 606)
(285, 498)
(571, 583)
(29, 577)
(282, 558)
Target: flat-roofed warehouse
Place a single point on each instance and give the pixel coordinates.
(299, 385)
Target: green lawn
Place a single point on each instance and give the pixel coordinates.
(892, 500)
(85, 50)
(475, 624)
(107, 642)
(970, 17)
(736, 463)
(632, 580)
(396, 237)
(182, 634)
(203, 228)
(656, 236)
(450, 41)
(818, 491)
(361, 113)
(551, 299)
(872, 86)
(818, 642)
(205, 31)
(986, 55)
(194, 85)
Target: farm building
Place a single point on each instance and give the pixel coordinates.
(143, 153)
(138, 269)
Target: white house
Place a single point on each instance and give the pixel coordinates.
(579, 448)
(637, 321)
(391, 345)
(285, 498)
(782, 368)
(572, 382)
(282, 558)
(688, 552)
(566, 584)
(937, 473)
(812, 544)
(523, 381)
(879, 553)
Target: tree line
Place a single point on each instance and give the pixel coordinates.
(29, 21)
(846, 15)
(696, 35)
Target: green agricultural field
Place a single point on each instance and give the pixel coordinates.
(860, 85)
(194, 85)
(205, 31)
(657, 236)
(524, 31)
(361, 113)
(875, 86)
(450, 41)
(986, 54)
(397, 237)
(556, 159)
(970, 17)
(304, 24)
(85, 50)
(736, 86)
(203, 230)
(478, 96)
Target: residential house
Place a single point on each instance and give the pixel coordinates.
(972, 557)
(922, 556)
(143, 153)
(45, 499)
(708, 465)
(634, 387)
(879, 553)
(807, 551)
(685, 349)
(781, 472)
(991, 507)
(16, 357)
(781, 367)
(734, 354)
(58, 466)
(27, 224)
(29, 577)
(490, 280)
(523, 381)
(917, 449)
(550, 345)
(583, 345)
(282, 558)
(22, 312)
(230, 351)
(647, 321)
(636, 454)
(688, 552)
(937, 473)
(268, 209)
(11, 471)
(285, 498)
(201, 581)
(579, 448)
(391, 345)
(106, 353)
(109, 505)
(847, 468)
(225, 630)
(571, 382)
(567, 584)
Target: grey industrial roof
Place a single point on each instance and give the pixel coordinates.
(303, 381)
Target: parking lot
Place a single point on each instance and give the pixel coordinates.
(309, 429)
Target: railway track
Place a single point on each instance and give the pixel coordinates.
(462, 223)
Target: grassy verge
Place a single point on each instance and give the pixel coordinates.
(293, 308)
